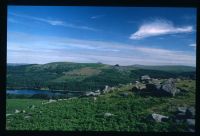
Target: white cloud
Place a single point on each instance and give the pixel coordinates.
(168, 55)
(97, 16)
(193, 45)
(159, 27)
(55, 22)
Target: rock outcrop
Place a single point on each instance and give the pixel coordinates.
(156, 87)
(186, 114)
(169, 87)
(145, 79)
(92, 93)
(157, 117)
(140, 86)
(182, 115)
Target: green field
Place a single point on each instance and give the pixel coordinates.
(87, 114)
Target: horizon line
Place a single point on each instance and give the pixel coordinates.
(101, 63)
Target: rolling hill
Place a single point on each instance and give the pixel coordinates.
(85, 76)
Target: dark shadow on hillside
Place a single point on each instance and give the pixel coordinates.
(152, 93)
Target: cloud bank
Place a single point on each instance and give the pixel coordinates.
(47, 49)
(159, 27)
(193, 45)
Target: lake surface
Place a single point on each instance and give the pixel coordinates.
(32, 92)
(43, 92)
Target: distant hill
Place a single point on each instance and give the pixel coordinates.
(169, 68)
(85, 76)
(16, 64)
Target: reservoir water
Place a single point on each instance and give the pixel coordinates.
(41, 92)
(31, 92)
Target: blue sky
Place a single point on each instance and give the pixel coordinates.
(111, 35)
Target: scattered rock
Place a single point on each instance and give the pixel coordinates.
(191, 125)
(97, 91)
(178, 80)
(181, 109)
(183, 90)
(153, 87)
(50, 101)
(94, 98)
(190, 112)
(73, 98)
(178, 121)
(92, 93)
(140, 86)
(112, 88)
(124, 94)
(106, 89)
(17, 111)
(32, 107)
(191, 130)
(185, 113)
(7, 115)
(155, 81)
(171, 80)
(137, 81)
(157, 117)
(107, 114)
(27, 117)
(169, 87)
(145, 78)
(190, 122)
(30, 114)
(181, 116)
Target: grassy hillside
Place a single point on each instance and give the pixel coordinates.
(85, 76)
(87, 114)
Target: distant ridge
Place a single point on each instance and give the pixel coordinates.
(85, 76)
(134, 65)
(17, 64)
(168, 68)
(174, 68)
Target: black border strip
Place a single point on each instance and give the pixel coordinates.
(3, 55)
(198, 72)
(125, 3)
(143, 3)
